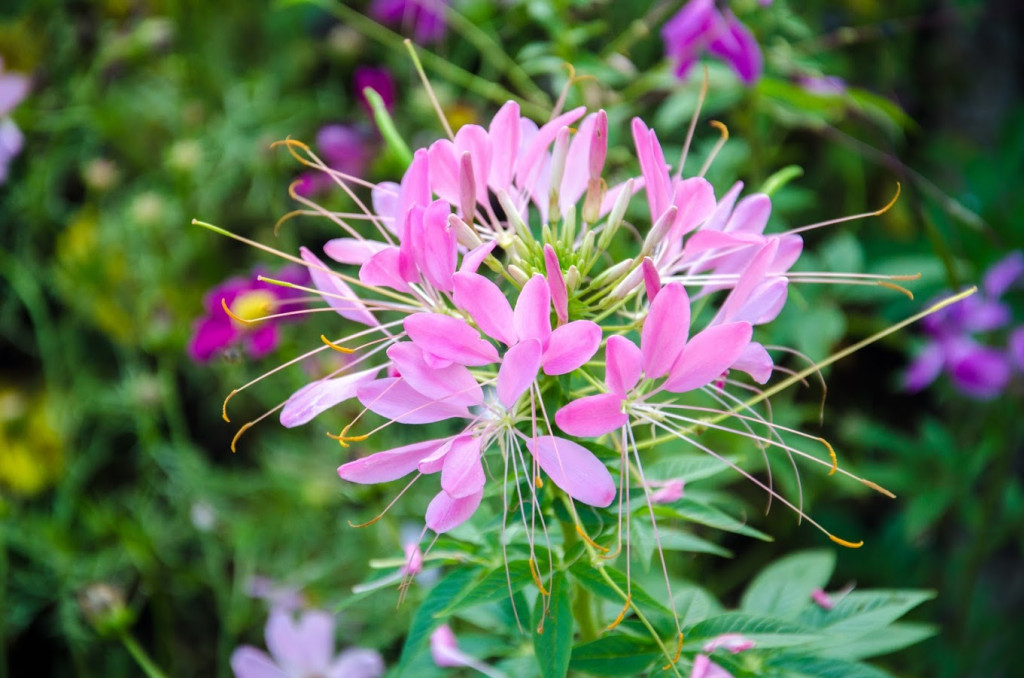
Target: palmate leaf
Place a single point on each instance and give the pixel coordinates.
(552, 633)
(697, 512)
(642, 542)
(766, 632)
(615, 654)
(862, 612)
(783, 589)
(590, 578)
(883, 641)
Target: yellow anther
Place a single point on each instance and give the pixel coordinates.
(536, 579)
(538, 482)
(237, 318)
(720, 126)
(892, 202)
(290, 215)
(583, 535)
(245, 427)
(367, 523)
(224, 407)
(622, 614)
(898, 288)
(847, 544)
(336, 347)
(831, 455)
(679, 652)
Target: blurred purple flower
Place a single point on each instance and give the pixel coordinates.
(248, 298)
(424, 18)
(444, 649)
(344, 148)
(823, 85)
(13, 88)
(977, 370)
(700, 26)
(379, 80)
(279, 596)
(303, 648)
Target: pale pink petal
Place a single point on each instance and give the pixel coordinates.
(695, 200)
(384, 197)
(305, 646)
(449, 338)
(533, 310)
(357, 662)
(452, 383)
(353, 251)
(556, 284)
(445, 513)
(575, 469)
(436, 258)
(577, 164)
(665, 330)
(444, 649)
(720, 217)
(505, 135)
(671, 491)
(733, 642)
(704, 240)
(415, 189)
(389, 465)
(433, 462)
(312, 399)
(755, 361)
(248, 662)
(444, 170)
(393, 398)
(707, 355)
(705, 668)
(530, 161)
(764, 303)
(336, 291)
(472, 259)
(751, 214)
(486, 303)
(473, 139)
(822, 599)
(570, 346)
(623, 364)
(653, 167)
(753, 275)
(592, 416)
(518, 370)
(462, 473)
(381, 270)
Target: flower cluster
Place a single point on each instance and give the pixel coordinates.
(977, 369)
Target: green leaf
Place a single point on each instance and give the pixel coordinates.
(552, 632)
(694, 511)
(765, 631)
(883, 641)
(642, 542)
(784, 588)
(426, 618)
(496, 585)
(590, 578)
(862, 612)
(616, 654)
(818, 667)
(685, 467)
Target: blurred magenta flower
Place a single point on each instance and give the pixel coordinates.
(345, 149)
(250, 300)
(304, 648)
(423, 18)
(13, 88)
(700, 26)
(380, 81)
(976, 369)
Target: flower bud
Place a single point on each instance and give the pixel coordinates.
(103, 606)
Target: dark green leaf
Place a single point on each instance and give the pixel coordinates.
(552, 632)
(784, 588)
(426, 619)
(616, 654)
(765, 631)
(817, 667)
(496, 585)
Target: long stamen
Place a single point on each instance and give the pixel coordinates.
(693, 123)
(724, 131)
(852, 217)
(388, 507)
(426, 85)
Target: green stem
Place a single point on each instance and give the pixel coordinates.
(141, 658)
(3, 602)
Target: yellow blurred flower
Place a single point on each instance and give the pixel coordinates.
(31, 451)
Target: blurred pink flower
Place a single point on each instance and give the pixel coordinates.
(247, 298)
(304, 648)
(423, 18)
(13, 88)
(700, 26)
(822, 599)
(444, 649)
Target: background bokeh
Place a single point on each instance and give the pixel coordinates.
(117, 479)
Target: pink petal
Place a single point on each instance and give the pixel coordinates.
(449, 338)
(462, 474)
(575, 469)
(505, 135)
(653, 167)
(210, 335)
(756, 362)
(708, 355)
(473, 139)
(433, 462)
(652, 279)
(518, 370)
(486, 303)
(556, 284)
(705, 668)
(444, 170)
(751, 215)
(393, 398)
(436, 256)
(533, 310)
(570, 346)
(471, 260)
(305, 646)
(623, 364)
(248, 662)
(389, 465)
(312, 399)
(381, 270)
(665, 330)
(529, 164)
(357, 662)
(753, 275)
(384, 197)
(592, 416)
(577, 164)
(445, 513)
(414, 191)
(451, 384)
(336, 291)
(695, 200)
(352, 250)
